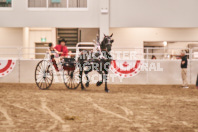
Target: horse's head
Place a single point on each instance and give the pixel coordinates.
(107, 43)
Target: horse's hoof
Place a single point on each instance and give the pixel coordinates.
(87, 84)
(98, 83)
(107, 90)
(82, 88)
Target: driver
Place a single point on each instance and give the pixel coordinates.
(62, 48)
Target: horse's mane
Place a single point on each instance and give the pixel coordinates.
(102, 45)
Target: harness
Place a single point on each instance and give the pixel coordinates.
(96, 55)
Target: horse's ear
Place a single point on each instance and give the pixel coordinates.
(104, 35)
(111, 35)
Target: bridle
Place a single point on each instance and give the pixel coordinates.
(106, 44)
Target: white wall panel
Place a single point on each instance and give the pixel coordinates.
(171, 73)
(135, 37)
(11, 37)
(21, 16)
(193, 71)
(27, 70)
(123, 13)
(153, 13)
(88, 34)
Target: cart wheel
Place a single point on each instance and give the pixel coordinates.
(44, 75)
(71, 79)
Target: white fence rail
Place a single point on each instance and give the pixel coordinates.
(141, 53)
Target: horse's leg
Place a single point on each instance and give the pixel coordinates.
(80, 77)
(105, 77)
(100, 82)
(100, 71)
(86, 74)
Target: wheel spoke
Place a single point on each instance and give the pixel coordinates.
(46, 84)
(42, 68)
(71, 83)
(39, 79)
(67, 77)
(41, 84)
(39, 68)
(49, 79)
(39, 71)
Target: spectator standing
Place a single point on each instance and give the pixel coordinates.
(153, 57)
(184, 64)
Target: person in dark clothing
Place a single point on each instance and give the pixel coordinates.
(184, 64)
(52, 51)
(153, 57)
(197, 82)
(54, 54)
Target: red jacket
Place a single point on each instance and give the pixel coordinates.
(63, 49)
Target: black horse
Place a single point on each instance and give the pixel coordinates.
(99, 61)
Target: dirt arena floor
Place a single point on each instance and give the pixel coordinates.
(127, 108)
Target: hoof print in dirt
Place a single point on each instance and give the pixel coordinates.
(71, 118)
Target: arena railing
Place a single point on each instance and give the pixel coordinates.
(142, 53)
(24, 55)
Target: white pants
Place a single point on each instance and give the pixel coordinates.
(184, 76)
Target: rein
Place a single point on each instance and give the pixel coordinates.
(103, 49)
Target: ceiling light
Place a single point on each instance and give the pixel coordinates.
(165, 43)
